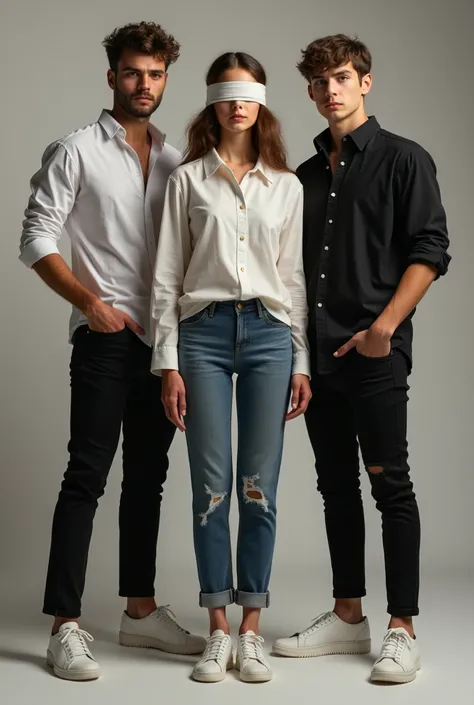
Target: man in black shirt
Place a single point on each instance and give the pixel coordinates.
(375, 238)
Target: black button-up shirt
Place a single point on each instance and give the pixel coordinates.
(363, 225)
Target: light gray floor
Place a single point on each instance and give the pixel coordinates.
(445, 631)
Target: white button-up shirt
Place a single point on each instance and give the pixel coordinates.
(222, 241)
(91, 184)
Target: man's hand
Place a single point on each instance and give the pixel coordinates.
(372, 342)
(300, 396)
(103, 318)
(173, 396)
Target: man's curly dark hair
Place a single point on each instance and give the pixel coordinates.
(144, 37)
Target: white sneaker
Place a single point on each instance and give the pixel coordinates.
(69, 655)
(399, 658)
(251, 661)
(159, 630)
(216, 660)
(326, 635)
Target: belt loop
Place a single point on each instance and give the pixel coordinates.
(212, 309)
(259, 308)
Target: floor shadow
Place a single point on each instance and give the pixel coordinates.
(380, 684)
(110, 639)
(23, 657)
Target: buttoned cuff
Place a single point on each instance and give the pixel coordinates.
(301, 364)
(164, 358)
(37, 249)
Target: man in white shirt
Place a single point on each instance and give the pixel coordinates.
(105, 185)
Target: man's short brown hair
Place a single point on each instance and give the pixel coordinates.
(144, 37)
(333, 51)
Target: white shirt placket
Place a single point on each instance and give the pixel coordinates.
(242, 240)
(137, 175)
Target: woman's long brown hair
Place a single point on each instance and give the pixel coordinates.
(204, 131)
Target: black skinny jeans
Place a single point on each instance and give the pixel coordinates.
(365, 403)
(111, 388)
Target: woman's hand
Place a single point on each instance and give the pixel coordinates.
(173, 396)
(300, 396)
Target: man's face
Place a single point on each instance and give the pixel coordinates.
(138, 83)
(338, 92)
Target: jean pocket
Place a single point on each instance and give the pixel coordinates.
(195, 319)
(370, 358)
(272, 320)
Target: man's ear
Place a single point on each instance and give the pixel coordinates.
(310, 92)
(366, 83)
(111, 78)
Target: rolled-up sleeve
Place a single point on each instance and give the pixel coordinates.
(290, 268)
(172, 259)
(53, 193)
(420, 211)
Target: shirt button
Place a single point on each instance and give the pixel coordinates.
(241, 238)
(327, 167)
(242, 207)
(323, 276)
(343, 163)
(242, 269)
(331, 221)
(320, 305)
(326, 247)
(333, 194)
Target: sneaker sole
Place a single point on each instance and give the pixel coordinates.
(256, 677)
(147, 642)
(342, 648)
(213, 677)
(396, 678)
(71, 675)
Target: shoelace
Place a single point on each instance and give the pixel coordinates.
(319, 621)
(251, 646)
(165, 614)
(214, 648)
(75, 641)
(393, 645)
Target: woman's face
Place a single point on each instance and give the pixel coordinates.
(236, 115)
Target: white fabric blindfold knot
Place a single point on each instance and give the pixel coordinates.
(236, 90)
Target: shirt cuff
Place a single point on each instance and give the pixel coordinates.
(37, 249)
(440, 261)
(301, 364)
(164, 358)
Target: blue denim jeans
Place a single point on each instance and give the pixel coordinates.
(245, 339)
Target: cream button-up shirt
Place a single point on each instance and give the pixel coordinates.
(222, 241)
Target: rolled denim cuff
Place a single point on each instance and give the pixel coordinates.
(395, 611)
(256, 600)
(217, 599)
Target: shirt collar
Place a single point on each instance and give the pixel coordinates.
(113, 128)
(360, 136)
(212, 162)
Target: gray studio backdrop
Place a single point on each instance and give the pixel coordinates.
(53, 81)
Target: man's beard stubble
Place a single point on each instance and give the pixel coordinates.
(144, 111)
